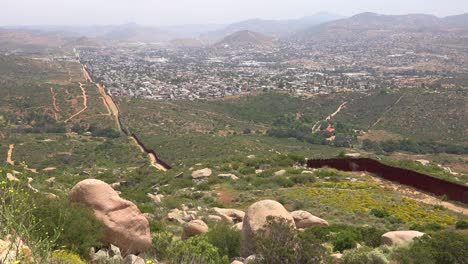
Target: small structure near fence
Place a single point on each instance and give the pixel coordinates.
(411, 178)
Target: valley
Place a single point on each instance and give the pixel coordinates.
(135, 144)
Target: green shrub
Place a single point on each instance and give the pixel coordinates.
(379, 212)
(371, 236)
(344, 240)
(426, 227)
(364, 255)
(161, 242)
(75, 225)
(461, 224)
(226, 239)
(247, 170)
(279, 242)
(438, 248)
(196, 250)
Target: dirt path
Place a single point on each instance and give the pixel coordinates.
(10, 154)
(110, 104)
(316, 126)
(85, 104)
(386, 111)
(54, 103)
(109, 112)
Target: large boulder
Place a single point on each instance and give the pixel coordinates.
(256, 219)
(125, 226)
(194, 228)
(396, 238)
(304, 219)
(201, 174)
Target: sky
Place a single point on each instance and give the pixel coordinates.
(173, 12)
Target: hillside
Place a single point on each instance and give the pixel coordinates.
(65, 162)
(276, 28)
(377, 25)
(246, 38)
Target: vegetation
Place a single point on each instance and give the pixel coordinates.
(437, 248)
(195, 250)
(280, 243)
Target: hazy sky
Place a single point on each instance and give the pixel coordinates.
(165, 12)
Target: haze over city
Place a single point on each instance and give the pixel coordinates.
(162, 12)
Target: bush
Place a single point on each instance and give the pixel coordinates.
(439, 248)
(371, 236)
(344, 240)
(226, 239)
(247, 170)
(379, 212)
(461, 224)
(364, 255)
(279, 242)
(161, 242)
(65, 257)
(196, 250)
(75, 225)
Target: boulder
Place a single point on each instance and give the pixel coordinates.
(396, 238)
(157, 198)
(215, 218)
(238, 226)
(228, 176)
(200, 174)
(256, 219)
(176, 215)
(133, 259)
(252, 259)
(10, 177)
(304, 219)
(280, 173)
(231, 215)
(194, 228)
(125, 226)
(12, 249)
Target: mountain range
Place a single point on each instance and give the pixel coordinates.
(321, 24)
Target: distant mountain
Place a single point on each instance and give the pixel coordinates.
(186, 42)
(459, 20)
(246, 38)
(136, 33)
(276, 28)
(379, 24)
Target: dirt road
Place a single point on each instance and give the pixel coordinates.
(85, 103)
(316, 126)
(10, 154)
(54, 103)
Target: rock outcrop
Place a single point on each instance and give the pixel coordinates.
(194, 228)
(256, 219)
(230, 215)
(396, 238)
(125, 226)
(304, 219)
(201, 174)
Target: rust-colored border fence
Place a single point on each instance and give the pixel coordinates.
(150, 151)
(414, 179)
